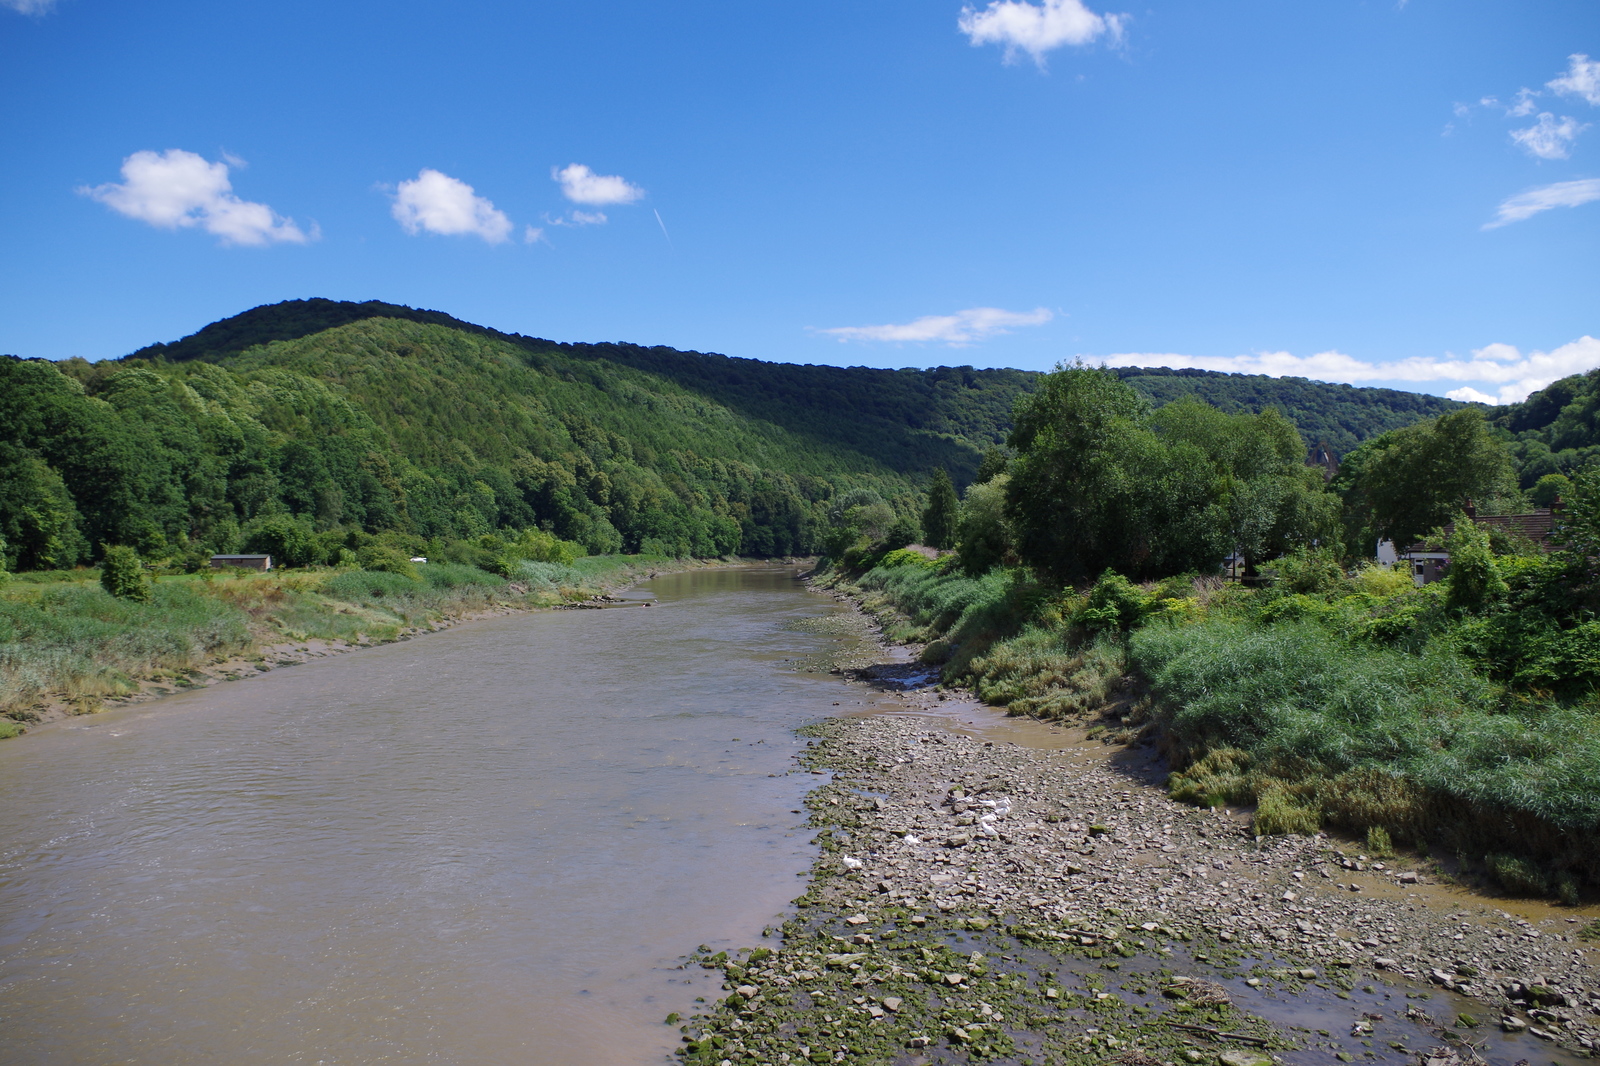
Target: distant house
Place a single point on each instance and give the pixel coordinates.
(1430, 564)
(247, 562)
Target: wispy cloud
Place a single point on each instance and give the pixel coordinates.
(1530, 203)
(583, 186)
(437, 203)
(29, 7)
(1499, 366)
(576, 218)
(1549, 138)
(1037, 28)
(961, 328)
(1582, 79)
(179, 190)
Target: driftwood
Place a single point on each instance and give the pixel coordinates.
(1218, 1034)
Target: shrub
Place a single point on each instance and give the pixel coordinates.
(1114, 603)
(357, 585)
(907, 557)
(379, 559)
(1220, 778)
(1517, 875)
(1375, 579)
(1378, 842)
(123, 575)
(1311, 573)
(1474, 580)
(1278, 813)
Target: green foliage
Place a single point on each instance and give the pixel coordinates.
(1114, 603)
(1378, 580)
(1336, 416)
(1379, 844)
(1279, 812)
(942, 514)
(1518, 875)
(288, 541)
(983, 533)
(1309, 572)
(906, 557)
(382, 559)
(1101, 481)
(1414, 479)
(1548, 489)
(1474, 580)
(122, 574)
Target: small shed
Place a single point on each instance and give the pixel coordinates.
(246, 562)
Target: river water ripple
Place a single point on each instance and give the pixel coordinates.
(492, 845)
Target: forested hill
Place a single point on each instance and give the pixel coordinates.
(352, 420)
(884, 413)
(1338, 416)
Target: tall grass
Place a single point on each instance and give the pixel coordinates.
(81, 639)
(1365, 736)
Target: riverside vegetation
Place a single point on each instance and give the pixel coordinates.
(69, 643)
(1460, 718)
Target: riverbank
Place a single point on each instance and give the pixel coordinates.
(67, 648)
(978, 901)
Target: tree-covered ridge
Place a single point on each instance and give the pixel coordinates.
(1557, 429)
(1337, 416)
(904, 418)
(383, 426)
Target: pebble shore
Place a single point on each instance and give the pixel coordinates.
(983, 901)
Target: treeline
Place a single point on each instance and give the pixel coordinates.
(416, 434)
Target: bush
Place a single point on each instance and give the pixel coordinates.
(1278, 813)
(907, 557)
(123, 575)
(1314, 572)
(357, 585)
(1517, 875)
(1114, 603)
(1375, 579)
(379, 559)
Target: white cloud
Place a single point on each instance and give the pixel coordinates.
(1530, 203)
(1500, 365)
(1582, 79)
(176, 189)
(576, 218)
(1549, 138)
(583, 186)
(29, 7)
(961, 328)
(533, 235)
(439, 203)
(1037, 28)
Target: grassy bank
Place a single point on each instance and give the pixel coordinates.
(64, 639)
(1362, 703)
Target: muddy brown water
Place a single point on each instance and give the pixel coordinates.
(490, 845)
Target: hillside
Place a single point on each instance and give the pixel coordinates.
(1557, 429)
(372, 418)
(878, 412)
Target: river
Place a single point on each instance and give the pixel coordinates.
(493, 844)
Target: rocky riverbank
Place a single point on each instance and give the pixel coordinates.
(983, 901)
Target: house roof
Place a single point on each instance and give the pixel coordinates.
(1537, 526)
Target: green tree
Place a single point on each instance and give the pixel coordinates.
(288, 541)
(1549, 488)
(983, 536)
(1419, 476)
(940, 517)
(123, 575)
(1474, 579)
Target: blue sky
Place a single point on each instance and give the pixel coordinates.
(1383, 193)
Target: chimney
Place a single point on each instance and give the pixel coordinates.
(1472, 511)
